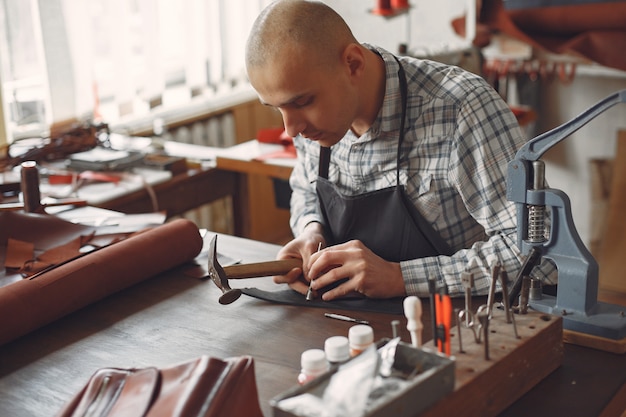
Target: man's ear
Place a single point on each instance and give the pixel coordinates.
(354, 59)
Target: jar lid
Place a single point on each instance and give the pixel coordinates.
(361, 334)
(337, 349)
(313, 359)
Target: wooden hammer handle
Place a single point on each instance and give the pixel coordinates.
(262, 269)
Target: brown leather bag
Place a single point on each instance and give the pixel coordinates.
(204, 387)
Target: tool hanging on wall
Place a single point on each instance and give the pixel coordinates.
(577, 294)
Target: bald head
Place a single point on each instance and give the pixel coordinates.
(309, 26)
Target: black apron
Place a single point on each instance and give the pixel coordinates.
(384, 220)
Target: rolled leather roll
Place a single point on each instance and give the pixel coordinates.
(34, 302)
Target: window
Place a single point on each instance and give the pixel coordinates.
(25, 100)
(118, 59)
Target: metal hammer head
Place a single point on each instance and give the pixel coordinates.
(218, 276)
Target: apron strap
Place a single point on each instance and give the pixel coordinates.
(403, 96)
(324, 162)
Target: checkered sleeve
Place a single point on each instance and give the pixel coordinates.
(486, 138)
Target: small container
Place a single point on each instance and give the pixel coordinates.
(434, 382)
(360, 337)
(337, 349)
(313, 363)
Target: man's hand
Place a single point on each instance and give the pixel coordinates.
(301, 247)
(366, 272)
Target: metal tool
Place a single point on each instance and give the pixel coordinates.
(533, 258)
(483, 318)
(432, 289)
(467, 279)
(309, 292)
(459, 321)
(577, 293)
(524, 295)
(345, 318)
(220, 275)
(495, 274)
(395, 325)
(504, 282)
(512, 315)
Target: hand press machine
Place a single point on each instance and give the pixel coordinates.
(585, 320)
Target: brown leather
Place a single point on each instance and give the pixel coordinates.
(58, 146)
(127, 392)
(203, 387)
(27, 304)
(595, 31)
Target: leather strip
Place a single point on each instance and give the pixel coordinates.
(290, 297)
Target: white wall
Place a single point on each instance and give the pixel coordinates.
(567, 164)
(427, 25)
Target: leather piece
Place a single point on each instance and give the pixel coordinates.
(203, 387)
(18, 253)
(220, 388)
(596, 31)
(290, 297)
(137, 394)
(112, 391)
(28, 304)
(42, 231)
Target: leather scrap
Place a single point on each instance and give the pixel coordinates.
(27, 304)
(290, 297)
(18, 253)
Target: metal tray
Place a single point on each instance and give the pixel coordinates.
(434, 381)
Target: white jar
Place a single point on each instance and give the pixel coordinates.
(360, 336)
(337, 349)
(313, 363)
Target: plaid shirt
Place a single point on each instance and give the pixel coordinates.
(459, 138)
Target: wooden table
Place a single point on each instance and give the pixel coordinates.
(173, 318)
(237, 175)
(183, 192)
(188, 191)
(261, 218)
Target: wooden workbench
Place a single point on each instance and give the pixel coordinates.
(260, 216)
(179, 194)
(237, 175)
(172, 318)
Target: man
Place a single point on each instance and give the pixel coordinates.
(401, 171)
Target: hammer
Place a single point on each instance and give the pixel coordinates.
(220, 275)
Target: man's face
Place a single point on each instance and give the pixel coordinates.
(317, 102)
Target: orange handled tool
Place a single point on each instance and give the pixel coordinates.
(443, 307)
